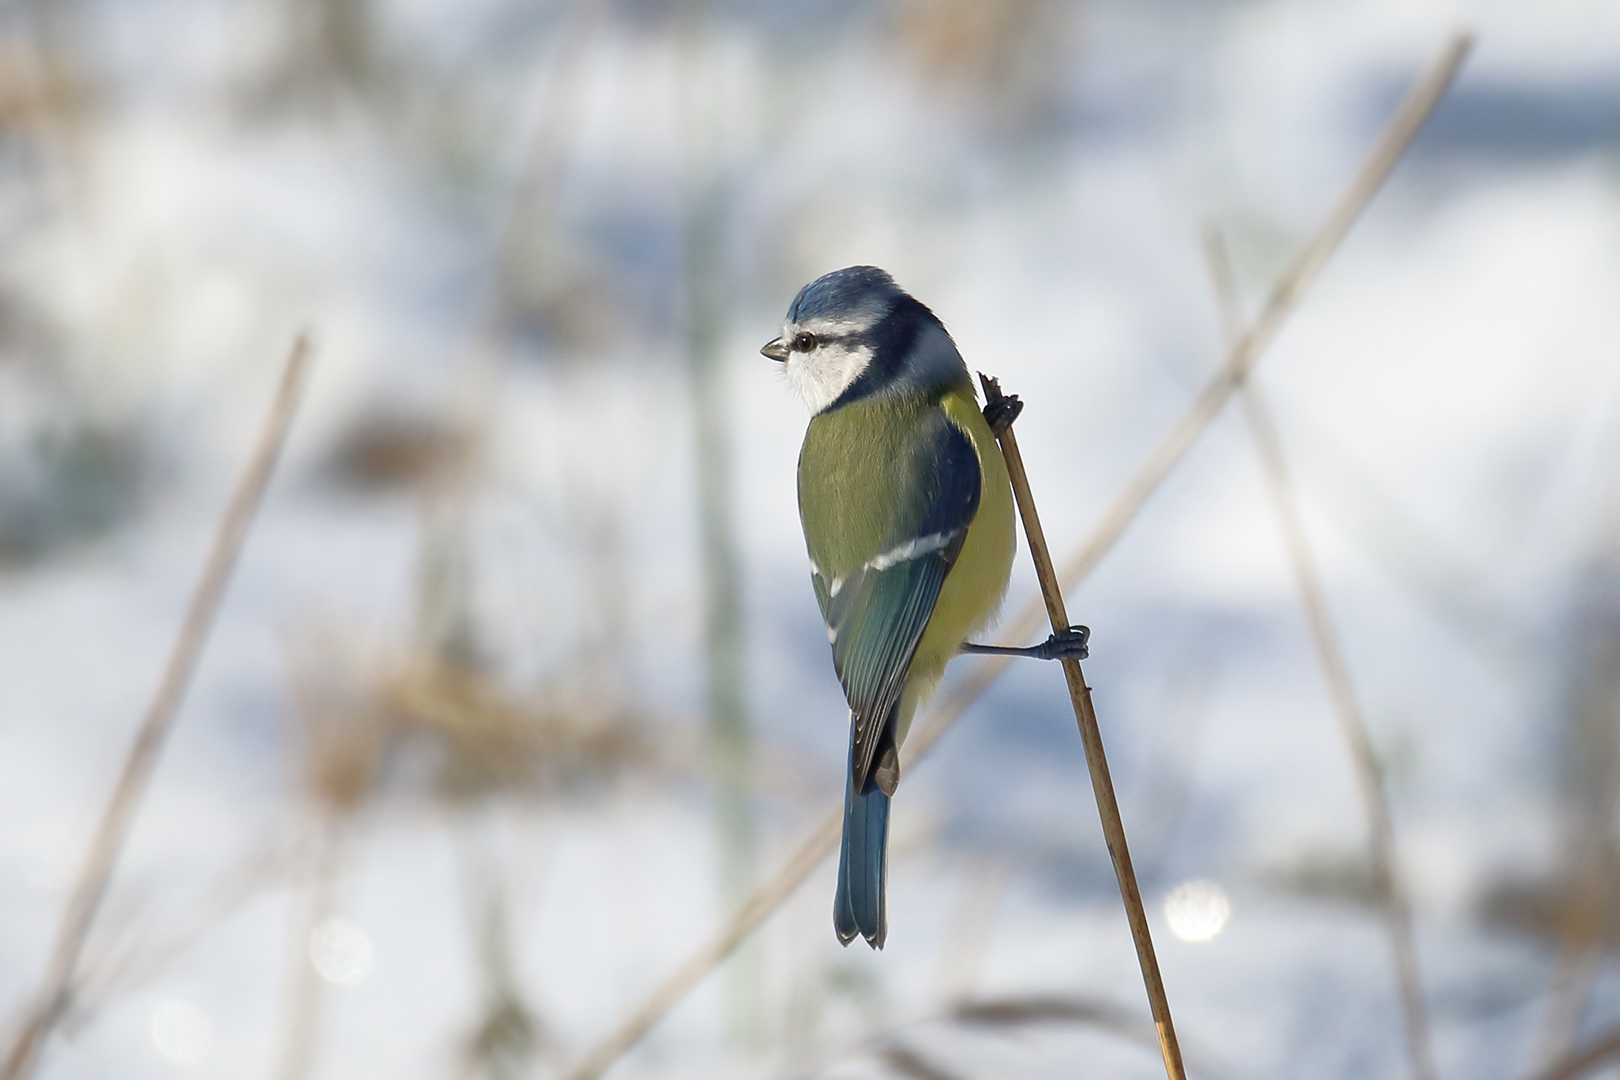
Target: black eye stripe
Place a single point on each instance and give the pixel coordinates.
(805, 341)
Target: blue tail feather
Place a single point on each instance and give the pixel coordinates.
(860, 907)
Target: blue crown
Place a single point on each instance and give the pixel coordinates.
(843, 292)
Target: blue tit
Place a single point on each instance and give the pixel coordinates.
(908, 517)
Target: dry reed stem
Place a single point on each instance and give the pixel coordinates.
(529, 211)
(537, 188)
(1413, 110)
(300, 1038)
(54, 995)
(1409, 117)
(1085, 716)
(1329, 649)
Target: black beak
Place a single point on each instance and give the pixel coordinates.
(776, 350)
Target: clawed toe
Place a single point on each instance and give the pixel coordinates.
(1001, 412)
(1071, 644)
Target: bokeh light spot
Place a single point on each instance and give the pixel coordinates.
(1197, 910)
(340, 951)
(180, 1031)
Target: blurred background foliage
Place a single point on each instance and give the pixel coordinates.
(520, 685)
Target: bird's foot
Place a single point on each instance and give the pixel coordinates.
(1071, 644)
(1000, 412)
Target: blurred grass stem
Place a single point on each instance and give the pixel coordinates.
(302, 1032)
(445, 621)
(1285, 296)
(506, 1037)
(54, 995)
(535, 197)
(1414, 109)
(704, 180)
(1329, 649)
(1085, 716)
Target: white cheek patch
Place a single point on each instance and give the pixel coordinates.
(826, 371)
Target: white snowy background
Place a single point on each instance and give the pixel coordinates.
(187, 184)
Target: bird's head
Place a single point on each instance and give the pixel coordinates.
(854, 333)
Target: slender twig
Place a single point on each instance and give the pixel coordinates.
(532, 201)
(1329, 649)
(528, 212)
(1241, 357)
(1414, 109)
(54, 995)
(301, 1029)
(1085, 715)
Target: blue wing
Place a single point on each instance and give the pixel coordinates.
(876, 615)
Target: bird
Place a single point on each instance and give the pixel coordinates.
(908, 519)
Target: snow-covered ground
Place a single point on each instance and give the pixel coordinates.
(184, 184)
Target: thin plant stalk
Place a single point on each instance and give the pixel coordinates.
(1244, 352)
(536, 193)
(1085, 716)
(730, 739)
(506, 1036)
(301, 1036)
(54, 995)
(1290, 288)
(1329, 648)
(980, 675)
(445, 623)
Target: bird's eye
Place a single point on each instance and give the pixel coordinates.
(804, 342)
